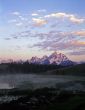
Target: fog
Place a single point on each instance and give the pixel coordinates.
(32, 81)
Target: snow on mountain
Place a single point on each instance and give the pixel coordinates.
(57, 58)
(44, 60)
(54, 58)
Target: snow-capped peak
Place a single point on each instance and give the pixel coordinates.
(57, 58)
(54, 58)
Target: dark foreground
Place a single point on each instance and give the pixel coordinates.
(46, 99)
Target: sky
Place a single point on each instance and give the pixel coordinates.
(39, 27)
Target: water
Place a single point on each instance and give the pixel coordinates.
(25, 81)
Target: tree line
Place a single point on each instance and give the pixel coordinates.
(26, 67)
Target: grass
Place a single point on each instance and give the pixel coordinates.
(74, 70)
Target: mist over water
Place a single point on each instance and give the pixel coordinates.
(33, 81)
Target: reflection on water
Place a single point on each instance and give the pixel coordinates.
(25, 81)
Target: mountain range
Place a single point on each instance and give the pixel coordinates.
(54, 58)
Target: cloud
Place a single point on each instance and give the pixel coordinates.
(82, 52)
(38, 19)
(19, 24)
(12, 21)
(58, 41)
(16, 13)
(76, 20)
(62, 45)
(39, 22)
(60, 15)
(42, 10)
(57, 46)
(34, 14)
(22, 18)
(54, 40)
(79, 33)
(70, 17)
(7, 38)
(78, 43)
(51, 39)
(21, 35)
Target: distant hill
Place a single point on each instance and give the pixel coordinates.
(73, 70)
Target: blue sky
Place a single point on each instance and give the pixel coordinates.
(38, 27)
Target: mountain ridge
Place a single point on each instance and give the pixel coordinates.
(54, 58)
